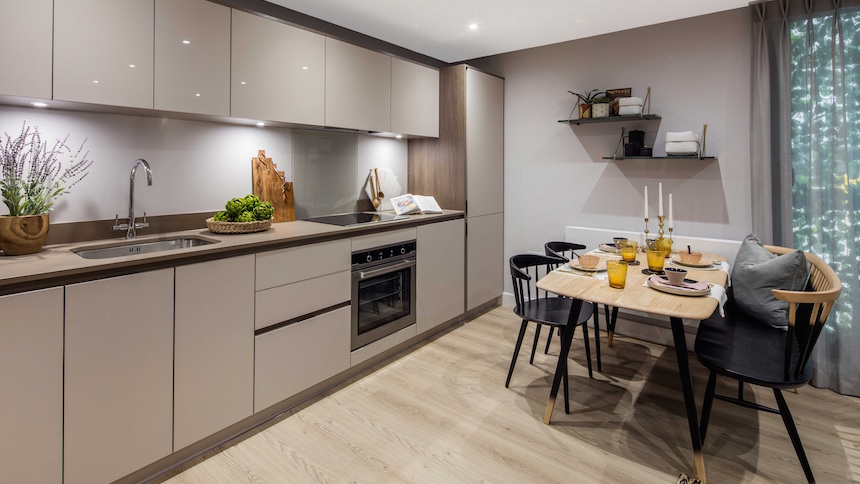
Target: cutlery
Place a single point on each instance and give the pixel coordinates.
(378, 185)
(373, 190)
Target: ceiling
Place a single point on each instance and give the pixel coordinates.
(440, 28)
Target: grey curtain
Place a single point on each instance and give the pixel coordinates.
(805, 154)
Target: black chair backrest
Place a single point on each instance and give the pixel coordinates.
(565, 250)
(525, 271)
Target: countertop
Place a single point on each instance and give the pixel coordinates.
(57, 265)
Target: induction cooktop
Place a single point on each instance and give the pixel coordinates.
(357, 218)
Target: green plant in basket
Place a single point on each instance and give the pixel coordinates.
(245, 209)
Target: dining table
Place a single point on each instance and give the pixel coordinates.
(638, 296)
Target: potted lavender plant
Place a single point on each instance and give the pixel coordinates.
(32, 177)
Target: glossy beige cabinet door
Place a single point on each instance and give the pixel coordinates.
(192, 57)
(278, 71)
(25, 47)
(485, 98)
(441, 273)
(414, 99)
(485, 264)
(357, 87)
(103, 51)
(31, 386)
(214, 340)
(118, 414)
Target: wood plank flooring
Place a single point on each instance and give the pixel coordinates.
(441, 413)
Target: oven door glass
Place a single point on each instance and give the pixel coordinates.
(384, 299)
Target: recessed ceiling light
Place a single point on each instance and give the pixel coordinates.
(95, 82)
(261, 124)
(39, 105)
(197, 94)
(473, 26)
(399, 136)
(132, 66)
(305, 68)
(186, 42)
(243, 83)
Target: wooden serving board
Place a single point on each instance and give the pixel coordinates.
(271, 186)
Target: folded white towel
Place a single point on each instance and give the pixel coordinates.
(682, 148)
(630, 101)
(628, 110)
(682, 136)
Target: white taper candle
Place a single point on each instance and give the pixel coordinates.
(671, 224)
(660, 200)
(646, 202)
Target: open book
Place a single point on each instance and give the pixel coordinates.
(415, 203)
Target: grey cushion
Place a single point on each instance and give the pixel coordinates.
(757, 272)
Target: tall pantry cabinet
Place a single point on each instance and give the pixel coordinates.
(464, 170)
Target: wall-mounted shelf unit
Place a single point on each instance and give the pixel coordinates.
(611, 119)
(678, 157)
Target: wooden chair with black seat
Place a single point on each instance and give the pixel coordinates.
(567, 251)
(550, 310)
(742, 347)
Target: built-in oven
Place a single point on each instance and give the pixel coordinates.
(383, 292)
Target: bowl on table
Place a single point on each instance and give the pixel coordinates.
(690, 257)
(617, 241)
(589, 261)
(675, 275)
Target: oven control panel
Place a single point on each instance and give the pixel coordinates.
(382, 253)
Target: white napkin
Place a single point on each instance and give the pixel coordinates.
(629, 110)
(682, 147)
(718, 292)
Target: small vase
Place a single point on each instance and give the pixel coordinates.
(23, 235)
(600, 110)
(584, 111)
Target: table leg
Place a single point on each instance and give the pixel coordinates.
(689, 400)
(566, 337)
(610, 323)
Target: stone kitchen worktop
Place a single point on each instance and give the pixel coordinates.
(57, 265)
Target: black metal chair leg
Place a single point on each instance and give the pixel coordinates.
(706, 405)
(548, 339)
(516, 351)
(792, 432)
(566, 382)
(597, 336)
(534, 344)
(587, 348)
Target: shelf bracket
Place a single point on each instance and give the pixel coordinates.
(620, 142)
(702, 146)
(646, 101)
(570, 116)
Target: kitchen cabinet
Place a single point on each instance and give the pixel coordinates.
(286, 266)
(192, 57)
(26, 47)
(278, 71)
(103, 51)
(118, 402)
(283, 303)
(31, 379)
(357, 87)
(294, 358)
(414, 99)
(464, 170)
(440, 274)
(214, 347)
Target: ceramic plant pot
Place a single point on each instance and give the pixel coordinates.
(23, 235)
(584, 111)
(600, 110)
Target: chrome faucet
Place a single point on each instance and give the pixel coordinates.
(131, 226)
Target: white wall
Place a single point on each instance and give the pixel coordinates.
(554, 176)
(196, 166)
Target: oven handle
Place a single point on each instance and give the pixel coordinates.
(396, 267)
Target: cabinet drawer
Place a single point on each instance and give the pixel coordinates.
(386, 238)
(286, 266)
(282, 303)
(297, 357)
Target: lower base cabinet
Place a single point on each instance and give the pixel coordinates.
(31, 386)
(118, 401)
(296, 357)
(485, 259)
(441, 273)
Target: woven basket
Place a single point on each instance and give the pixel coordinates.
(237, 227)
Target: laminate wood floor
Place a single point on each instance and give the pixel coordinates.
(441, 413)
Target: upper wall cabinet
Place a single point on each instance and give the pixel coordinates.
(414, 99)
(25, 47)
(103, 51)
(357, 87)
(278, 72)
(192, 57)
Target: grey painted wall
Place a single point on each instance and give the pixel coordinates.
(698, 70)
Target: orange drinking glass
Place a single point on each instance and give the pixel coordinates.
(656, 258)
(617, 270)
(628, 250)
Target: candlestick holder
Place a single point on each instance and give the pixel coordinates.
(660, 231)
(646, 229)
(662, 242)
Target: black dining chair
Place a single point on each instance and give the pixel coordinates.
(543, 309)
(567, 251)
(758, 354)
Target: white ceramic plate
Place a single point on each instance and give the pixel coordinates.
(601, 266)
(702, 263)
(677, 290)
(608, 248)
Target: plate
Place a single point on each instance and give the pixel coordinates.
(702, 263)
(609, 248)
(601, 266)
(690, 287)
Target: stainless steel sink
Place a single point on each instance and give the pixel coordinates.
(141, 247)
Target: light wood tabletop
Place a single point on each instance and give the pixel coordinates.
(637, 296)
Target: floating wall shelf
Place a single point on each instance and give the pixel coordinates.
(679, 157)
(611, 119)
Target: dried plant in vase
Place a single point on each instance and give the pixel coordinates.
(32, 177)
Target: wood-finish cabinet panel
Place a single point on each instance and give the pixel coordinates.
(283, 303)
(118, 402)
(485, 262)
(441, 273)
(103, 51)
(485, 98)
(192, 57)
(357, 87)
(278, 71)
(31, 379)
(214, 347)
(285, 266)
(414, 99)
(26, 47)
(297, 357)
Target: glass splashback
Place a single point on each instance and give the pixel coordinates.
(324, 166)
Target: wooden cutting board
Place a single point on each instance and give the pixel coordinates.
(271, 186)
